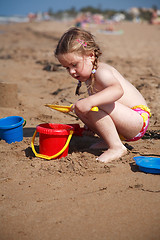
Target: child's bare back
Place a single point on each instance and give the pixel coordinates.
(131, 96)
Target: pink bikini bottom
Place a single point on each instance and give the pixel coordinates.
(144, 111)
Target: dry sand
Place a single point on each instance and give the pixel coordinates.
(76, 197)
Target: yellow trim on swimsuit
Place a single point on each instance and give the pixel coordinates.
(144, 115)
(143, 107)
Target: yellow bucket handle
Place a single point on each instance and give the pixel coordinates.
(57, 154)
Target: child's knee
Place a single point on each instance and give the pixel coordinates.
(108, 108)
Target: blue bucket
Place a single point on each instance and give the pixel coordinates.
(11, 129)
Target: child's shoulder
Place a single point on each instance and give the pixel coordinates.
(104, 70)
(104, 67)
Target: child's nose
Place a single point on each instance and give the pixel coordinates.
(72, 71)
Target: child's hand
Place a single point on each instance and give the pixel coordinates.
(83, 106)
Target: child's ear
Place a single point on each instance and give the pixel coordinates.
(92, 56)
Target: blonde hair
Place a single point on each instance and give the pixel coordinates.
(80, 41)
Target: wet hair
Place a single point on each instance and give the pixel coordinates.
(80, 41)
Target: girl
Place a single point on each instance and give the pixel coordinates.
(122, 109)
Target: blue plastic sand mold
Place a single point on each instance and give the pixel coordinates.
(148, 164)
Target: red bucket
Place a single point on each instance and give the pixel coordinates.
(53, 140)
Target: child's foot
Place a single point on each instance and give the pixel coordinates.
(112, 154)
(99, 145)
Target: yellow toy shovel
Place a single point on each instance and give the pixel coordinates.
(66, 109)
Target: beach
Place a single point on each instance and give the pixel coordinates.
(75, 197)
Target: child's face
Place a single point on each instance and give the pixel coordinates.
(78, 66)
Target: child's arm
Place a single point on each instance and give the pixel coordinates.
(110, 91)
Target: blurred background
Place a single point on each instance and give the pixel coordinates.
(81, 12)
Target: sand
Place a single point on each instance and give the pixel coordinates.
(76, 197)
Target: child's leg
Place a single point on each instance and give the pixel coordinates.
(127, 121)
(110, 120)
(106, 127)
(103, 125)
